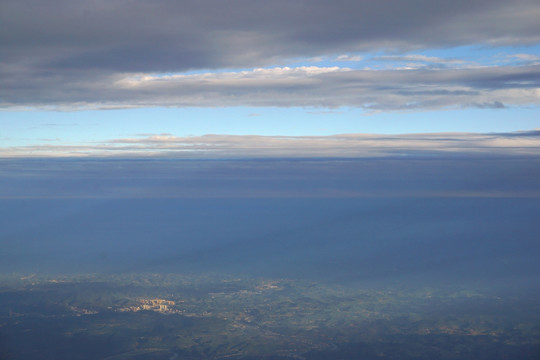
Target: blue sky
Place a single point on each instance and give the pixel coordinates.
(344, 69)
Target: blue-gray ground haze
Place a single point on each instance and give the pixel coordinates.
(418, 220)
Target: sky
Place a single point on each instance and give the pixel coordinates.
(389, 124)
(86, 78)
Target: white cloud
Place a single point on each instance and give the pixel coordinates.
(349, 58)
(525, 57)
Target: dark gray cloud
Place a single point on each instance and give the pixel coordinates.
(64, 52)
(178, 35)
(492, 105)
(526, 134)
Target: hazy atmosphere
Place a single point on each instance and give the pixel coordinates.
(269, 180)
(456, 219)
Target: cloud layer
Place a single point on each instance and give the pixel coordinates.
(77, 54)
(437, 145)
(402, 89)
